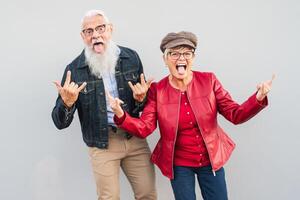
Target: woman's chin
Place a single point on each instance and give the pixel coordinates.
(180, 77)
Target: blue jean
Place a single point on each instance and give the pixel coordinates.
(212, 187)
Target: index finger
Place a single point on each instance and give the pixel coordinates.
(273, 77)
(271, 81)
(143, 82)
(132, 87)
(68, 78)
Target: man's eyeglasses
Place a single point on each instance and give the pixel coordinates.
(100, 29)
(174, 55)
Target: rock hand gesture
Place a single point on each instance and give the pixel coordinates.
(69, 91)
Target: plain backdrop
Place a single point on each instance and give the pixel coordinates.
(242, 41)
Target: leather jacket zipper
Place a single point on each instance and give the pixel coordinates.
(176, 134)
(213, 171)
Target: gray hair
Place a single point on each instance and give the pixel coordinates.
(92, 13)
(166, 53)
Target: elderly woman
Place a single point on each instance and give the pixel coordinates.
(185, 104)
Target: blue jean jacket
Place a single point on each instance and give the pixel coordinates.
(91, 103)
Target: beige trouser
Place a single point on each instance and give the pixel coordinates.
(133, 156)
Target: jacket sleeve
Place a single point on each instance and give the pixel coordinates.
(147, 123)
(61, 115)
(233, 111)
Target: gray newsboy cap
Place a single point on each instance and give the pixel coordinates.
(177, 39)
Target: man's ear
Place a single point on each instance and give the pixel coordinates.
(82, 35)
(111, 28)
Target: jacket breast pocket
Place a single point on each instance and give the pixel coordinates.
(132, 77)
(87, 95)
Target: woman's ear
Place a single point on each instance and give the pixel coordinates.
(165, 60)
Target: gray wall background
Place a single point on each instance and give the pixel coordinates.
(242, 41)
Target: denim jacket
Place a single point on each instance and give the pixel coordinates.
(91, 103)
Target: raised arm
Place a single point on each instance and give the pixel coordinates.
(235, 112)
(62, 113)
(140, 127)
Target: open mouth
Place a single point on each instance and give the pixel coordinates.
(181, 68)
(98, 47)
(98, 43)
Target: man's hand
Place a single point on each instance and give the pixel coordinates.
(115, 104)
(264, 88)
(69, 91)
(140, 89)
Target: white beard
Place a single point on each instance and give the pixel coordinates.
(101, 64)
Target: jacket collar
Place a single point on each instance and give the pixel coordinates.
(82, 62)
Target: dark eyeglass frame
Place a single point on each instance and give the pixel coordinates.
(99, 29)
(175, 55)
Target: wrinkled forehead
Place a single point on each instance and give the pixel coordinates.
(91, 21)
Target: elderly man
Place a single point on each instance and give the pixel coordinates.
(105, 67)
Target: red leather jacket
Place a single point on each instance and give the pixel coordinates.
(207, 97)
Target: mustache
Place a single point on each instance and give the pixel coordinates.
(97, 43)
(100, 64)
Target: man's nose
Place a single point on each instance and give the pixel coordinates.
(95, 34)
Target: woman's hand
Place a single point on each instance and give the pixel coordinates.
(115, 104)
(264, 88)
(139, 90)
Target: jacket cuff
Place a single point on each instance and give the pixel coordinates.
(119, 120)
(139, 106)
(263, 102)
(68, 111)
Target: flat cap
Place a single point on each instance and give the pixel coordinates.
(182, 38)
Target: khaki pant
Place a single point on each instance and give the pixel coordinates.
(133, 156)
